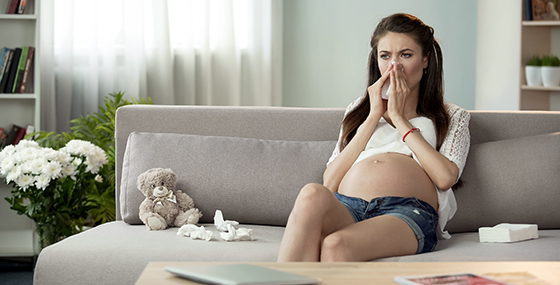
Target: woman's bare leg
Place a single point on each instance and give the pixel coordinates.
(316, 214)
(378, 237)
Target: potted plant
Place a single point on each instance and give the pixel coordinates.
(533, 71)
(99, 129)
(550, 71)
(62, 202)
(50, 185)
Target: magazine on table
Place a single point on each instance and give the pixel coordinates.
(456, 279)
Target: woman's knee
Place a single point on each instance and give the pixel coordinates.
(311, 201)
(336, 247)
(313, 191)
(312, 195)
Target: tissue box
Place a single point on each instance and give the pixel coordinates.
(508, 233)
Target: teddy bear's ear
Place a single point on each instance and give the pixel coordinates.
(143, 179)
(171, 176)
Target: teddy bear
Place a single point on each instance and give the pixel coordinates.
(164, 206)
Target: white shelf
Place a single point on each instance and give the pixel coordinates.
(16, 231)
(540, 88)
(17, 17)
(536, 38)
(16, 243)
(19, 30)
(540, 23)
(18, 96)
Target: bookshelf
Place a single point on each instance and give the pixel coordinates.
(537, 37)
(17, 232)
(505, 42)
(18, 31)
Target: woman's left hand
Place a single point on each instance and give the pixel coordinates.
(399, 92)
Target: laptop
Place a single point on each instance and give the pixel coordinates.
(239, 274)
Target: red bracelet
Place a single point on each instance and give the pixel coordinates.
(411, 131)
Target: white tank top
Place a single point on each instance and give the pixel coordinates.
(386, 138)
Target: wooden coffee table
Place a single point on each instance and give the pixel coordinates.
(378, 272)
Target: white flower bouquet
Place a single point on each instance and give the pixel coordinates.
(50, 185)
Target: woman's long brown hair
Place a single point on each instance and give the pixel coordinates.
(430, 101)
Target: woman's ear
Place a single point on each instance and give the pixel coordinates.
(426, 60)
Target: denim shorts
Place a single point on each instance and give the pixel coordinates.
(419, 215)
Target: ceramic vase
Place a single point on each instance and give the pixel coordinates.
(550, 76)
(533, 75)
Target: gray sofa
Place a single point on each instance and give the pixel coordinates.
(250, 162)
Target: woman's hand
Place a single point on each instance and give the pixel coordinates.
(399, 92)
(378, 106)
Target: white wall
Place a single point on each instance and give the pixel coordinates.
(326, 47)
(497, 86)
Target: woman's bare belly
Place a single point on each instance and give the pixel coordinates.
(388, 174)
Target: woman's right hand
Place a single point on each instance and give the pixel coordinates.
(378, 105)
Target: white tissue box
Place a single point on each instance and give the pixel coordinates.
(508, 233)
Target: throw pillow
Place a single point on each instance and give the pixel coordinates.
(250, 180)
(510, 181)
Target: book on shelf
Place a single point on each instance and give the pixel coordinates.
(28, 72)
(16, 134)
(508, 232)
(30, 82)
(20, 69)
(29, 130)
(11, 136)
(17, 70)
(19, 135)
(2, 138)
(529, 9)
(16, 6)
(21, 6)
(460, 278)
(6, 70)
(12, 7)
(544, 10)
(13, 71)
(4, 61)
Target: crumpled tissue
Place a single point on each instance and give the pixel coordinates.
(222, 225)
(228, 231)
(195, 232)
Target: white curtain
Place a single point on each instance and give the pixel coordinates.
(205, 52)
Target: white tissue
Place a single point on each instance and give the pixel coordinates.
(386, 89)
(187, 229)
(202, 234)
(226, 228)
(228, 231)
(244, 234)
(195, 232)
(220, 224)
(230, 234)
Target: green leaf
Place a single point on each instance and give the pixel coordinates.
(550, 60)
(535, 61)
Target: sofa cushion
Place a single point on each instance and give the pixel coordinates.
(510, 181)
(467, 247)
(251, 180)
(117, 253)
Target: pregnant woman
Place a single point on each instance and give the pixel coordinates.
(387, 187)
